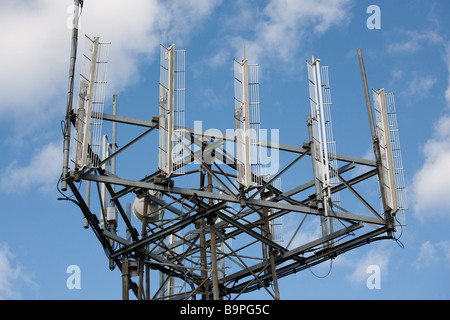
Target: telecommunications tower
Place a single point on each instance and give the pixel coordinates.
(205, 219)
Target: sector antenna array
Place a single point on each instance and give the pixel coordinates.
(204, 219)
(91, 101)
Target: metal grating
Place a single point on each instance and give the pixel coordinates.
(397, 159)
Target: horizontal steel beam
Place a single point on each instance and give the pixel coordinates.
(228, 198)
(227, 137)
(126, 120)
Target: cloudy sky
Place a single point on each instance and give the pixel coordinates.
(409, 55)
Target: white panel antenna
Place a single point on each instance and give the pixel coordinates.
(171, 110)
(323, 147)
(391, 159)
(246, 114)
(89, 120)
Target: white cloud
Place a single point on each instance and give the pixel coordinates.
(34, 43)
(42, 171)
(377, 257)
(12, 276)
(218, 59)
(35, 47)
(8, 274)
(432, 181)
(431, 254)
(309, 231)
(420, 86)
(414, 41)
(34, 62)
(136, 28)
(396, 74)
(286, 23)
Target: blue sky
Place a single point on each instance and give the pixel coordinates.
(410, 56)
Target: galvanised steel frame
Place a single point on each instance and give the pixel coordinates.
(210, 223)
(203, 218)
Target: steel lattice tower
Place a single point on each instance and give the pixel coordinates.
(211, 232)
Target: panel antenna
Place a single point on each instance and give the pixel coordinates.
(391, 159)
(171, 110)
(89, 114)
(323, 148)
(247, 120)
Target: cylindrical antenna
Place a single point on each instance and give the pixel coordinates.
(73, 55)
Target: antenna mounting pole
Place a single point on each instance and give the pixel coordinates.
(367, 95)
(73, 55)
(376, 146)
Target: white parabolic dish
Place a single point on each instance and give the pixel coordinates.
(153, 209)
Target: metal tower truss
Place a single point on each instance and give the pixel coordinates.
(202, 235)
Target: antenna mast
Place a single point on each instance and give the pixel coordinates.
(204, 221)
(376, 147)
(73, 54)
